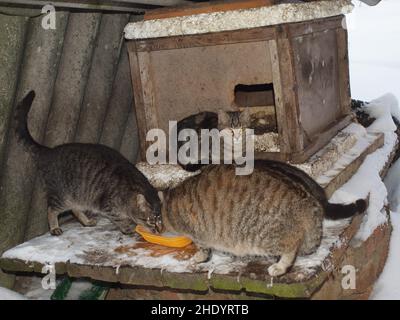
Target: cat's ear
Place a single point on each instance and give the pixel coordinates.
(199, 118)
(141, 202)
(161, 196)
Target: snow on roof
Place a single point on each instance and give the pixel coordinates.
(237, 19)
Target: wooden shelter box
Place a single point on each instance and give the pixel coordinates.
(299, 71)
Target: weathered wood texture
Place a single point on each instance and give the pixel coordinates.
(80, 73)
(305, 62)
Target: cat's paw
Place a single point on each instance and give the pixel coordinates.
(203, 255)
(128, 231)
(56, 232)
(91, 223)
(276, 270)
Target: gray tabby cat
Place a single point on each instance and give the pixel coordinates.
(236, 121)
(90, 177)
(276, 211)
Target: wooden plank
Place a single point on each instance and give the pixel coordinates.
(149, 93)
(208, 7)
(318, 25)
(138, 96)
(288, 115)
(101, 77)
(352, 168)
(208, 39)
(282, 123)
(316, 72)
(321, 139)
(12, 38)
(146, 100)
(68, 92)
(277, 156)
(250, 277)
(343, 65)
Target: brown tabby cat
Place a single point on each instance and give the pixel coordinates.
(90, 177)
(276, 211)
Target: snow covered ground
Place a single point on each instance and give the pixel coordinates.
(6, 294)
(374, 49)
(388, 284)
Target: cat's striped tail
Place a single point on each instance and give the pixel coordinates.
(21, 124)
(335, 211)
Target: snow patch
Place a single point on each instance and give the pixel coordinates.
(382, 109)
(367, 181)
(325, 159)
(6, 294)
(164, 176)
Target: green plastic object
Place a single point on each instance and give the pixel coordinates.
(61, 291)
(98, 291)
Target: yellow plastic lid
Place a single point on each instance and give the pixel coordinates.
(174, 242)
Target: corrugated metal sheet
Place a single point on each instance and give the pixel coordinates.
(81, 75)
(103, 5)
